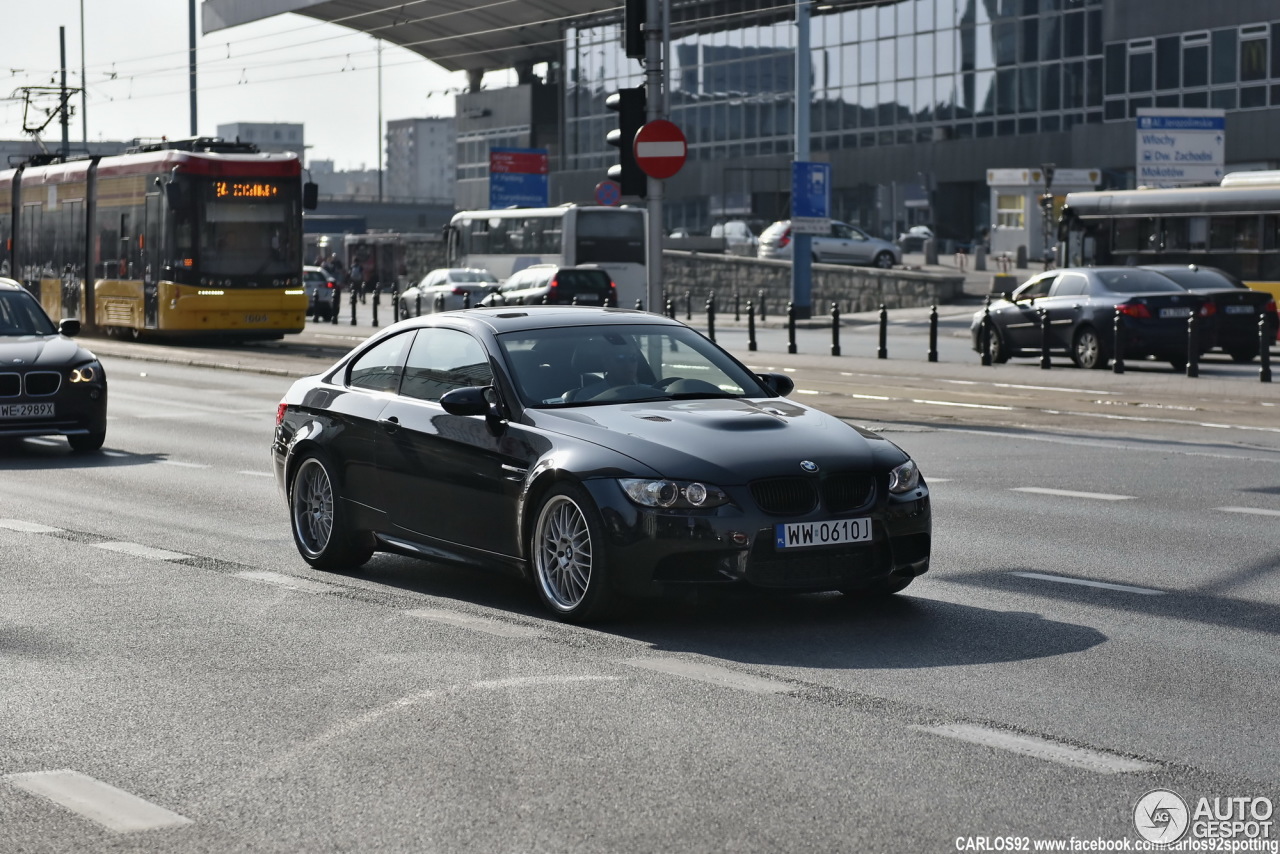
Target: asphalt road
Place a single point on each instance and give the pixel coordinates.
(1101, 620)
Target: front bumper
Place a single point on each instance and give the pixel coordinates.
(74, 415)
(651, 551)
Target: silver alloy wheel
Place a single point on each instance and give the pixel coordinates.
(884, 260)
(562, 553)
(1087, 349)
(312, 500)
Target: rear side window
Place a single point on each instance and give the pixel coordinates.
(379, 368)
(584, 281)
(1136, 281)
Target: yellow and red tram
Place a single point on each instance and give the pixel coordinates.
(178, 238)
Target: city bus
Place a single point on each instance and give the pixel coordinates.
(504, 241)
(179, 238)
(1234, 226)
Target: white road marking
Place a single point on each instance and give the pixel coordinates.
(870, 397)
(479, 624)
(184, 465)
(1255, 511)
(712, 674)
(257, 473)
(290, 581)
(138, 550)
(1067, 493)
(938, 479)
(27, 527)
(114, 454)
(963, 405)
(114, 809)
(536, 681)
(1062, 579)
(1039, 748)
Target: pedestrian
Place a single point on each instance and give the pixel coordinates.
(356, 277)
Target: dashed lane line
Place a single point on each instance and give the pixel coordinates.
(113, 808)
(1253, 511)
(256, 473)
(1105, 585)
(1067, 493)
(291, 582)
(1039, 748)
(27, 527)
(138, 550)
(474, 623)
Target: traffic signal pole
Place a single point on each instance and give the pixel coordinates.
(656, 103)
(801, 245)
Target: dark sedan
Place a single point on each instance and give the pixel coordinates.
(1237, 308)
(1081, 304)
(49, 385)
(601, 453)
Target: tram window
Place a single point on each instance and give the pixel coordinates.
(1176, 234)
(1198, 233)
(1248, 233)
(1150, 235)
(1270, 233)
(1222, 232)
(1126, 235)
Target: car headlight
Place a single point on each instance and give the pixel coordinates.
(677, 494)
(89, 372)
(904, 477)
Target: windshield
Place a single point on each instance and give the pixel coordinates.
(592, 365)
(20, 314)
(250, 228)
(472, 276)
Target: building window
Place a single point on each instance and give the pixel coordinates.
(1253, 53)
(1009, 210)
(1168, 66)
(1224, 56)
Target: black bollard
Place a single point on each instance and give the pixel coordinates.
(466, 299)
(791, 327)
(1265, 337)
(751, 325)
(835, 329)
(671, 308)
(688, 305)
(438, 303)
(883, 352)
(1045, 364)
(375, 309)
(377, 292)
(395, 303)
(711, 315)
(933, 333)
(762, 309)
(353, 306)
(336, 307)
(984, 333)
(1119, 345)
(417, 303)
(639, 305)
(737, 307)
(1193, 346)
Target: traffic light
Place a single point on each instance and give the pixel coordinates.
(629, 104)
(633, 19)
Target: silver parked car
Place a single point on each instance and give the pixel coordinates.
(452, 284)
(846, 244)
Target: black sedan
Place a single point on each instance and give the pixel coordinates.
(1081, 304)
(601, 453)
(1237, 308)
(49, 385)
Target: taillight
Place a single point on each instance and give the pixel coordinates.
(785, 238)
(280, 411)
(1270, 307)
(457, 291)
(1208, 310)
(1134, 309)
(555, 283)
(328, 284)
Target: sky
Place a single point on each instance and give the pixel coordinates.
(288, 68)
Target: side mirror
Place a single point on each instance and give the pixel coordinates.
(476, 400)
(310, 195)
(780, 384)
(69, 327)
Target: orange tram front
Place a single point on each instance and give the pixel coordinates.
(180, 238)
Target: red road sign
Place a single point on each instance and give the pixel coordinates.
(660, 149)
(608, 193)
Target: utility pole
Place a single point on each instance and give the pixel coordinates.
(379, 121)
(84, 87)
(191, 61)
(66, 127)
(801, 243)
(655, 100)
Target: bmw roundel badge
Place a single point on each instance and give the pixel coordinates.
(809, 466)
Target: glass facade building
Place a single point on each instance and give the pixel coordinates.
(916, 74)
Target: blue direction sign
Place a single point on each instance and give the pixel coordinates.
(518, 177)
(810, 198)
(1180, 146)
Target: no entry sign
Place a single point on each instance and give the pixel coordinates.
(660, 149)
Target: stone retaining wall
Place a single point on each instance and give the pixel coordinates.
(854, 288)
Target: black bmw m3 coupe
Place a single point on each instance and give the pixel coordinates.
(601, 453)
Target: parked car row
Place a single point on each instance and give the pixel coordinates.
(1081, 305)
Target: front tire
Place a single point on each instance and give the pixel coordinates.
(87, 443)
(999, 350)
(884, 260)
(319, 519)
(1086, 350)
(567, 557)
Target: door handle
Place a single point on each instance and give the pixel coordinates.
(391, 424)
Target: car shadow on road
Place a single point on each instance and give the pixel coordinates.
(839, 632)
(39, 454)
(1205, 604)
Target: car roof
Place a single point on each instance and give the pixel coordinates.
(11, 285)
(502, 319)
